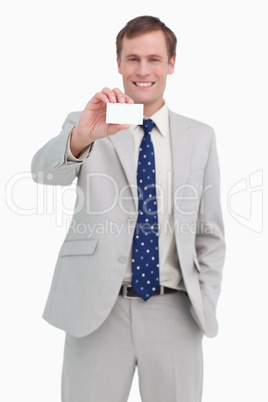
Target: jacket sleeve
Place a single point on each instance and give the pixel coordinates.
(210, 244)
(50, 164)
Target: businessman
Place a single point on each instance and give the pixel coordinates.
(138, 276)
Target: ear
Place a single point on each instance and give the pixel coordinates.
(118, 65)
(171, 65)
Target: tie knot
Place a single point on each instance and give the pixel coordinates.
(148, 125)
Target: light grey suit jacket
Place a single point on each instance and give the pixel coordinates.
(91, 266)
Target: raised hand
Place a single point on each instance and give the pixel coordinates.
(92, 123)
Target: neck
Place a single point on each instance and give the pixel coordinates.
(150, 109)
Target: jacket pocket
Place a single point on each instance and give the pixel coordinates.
(78, 247)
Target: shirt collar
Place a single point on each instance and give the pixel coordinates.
(161, 119)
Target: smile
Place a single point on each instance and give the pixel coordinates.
(144, 84)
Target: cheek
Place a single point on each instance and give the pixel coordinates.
(161, 73)
(127, 69)
(162, 79)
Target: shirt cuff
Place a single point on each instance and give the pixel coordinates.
(82, 156)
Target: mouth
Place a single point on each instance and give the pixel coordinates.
(143, 84)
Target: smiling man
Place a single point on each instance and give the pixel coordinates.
(144, 65)
(142, 296)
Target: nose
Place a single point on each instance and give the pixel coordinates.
(143, 69)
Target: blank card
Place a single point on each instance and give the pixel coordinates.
(124, 113)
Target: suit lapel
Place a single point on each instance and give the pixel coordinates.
(181, 150)
(123, 144)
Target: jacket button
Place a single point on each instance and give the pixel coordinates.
(122, 258)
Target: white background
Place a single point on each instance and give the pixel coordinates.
(54, 56)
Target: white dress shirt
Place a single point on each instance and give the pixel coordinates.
(170, 273)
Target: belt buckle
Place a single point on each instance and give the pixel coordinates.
(125, 295)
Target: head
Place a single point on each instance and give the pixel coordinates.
(146, 24)
(146, 51)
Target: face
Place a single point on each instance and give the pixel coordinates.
(144, 65)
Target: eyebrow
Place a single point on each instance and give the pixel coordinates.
(150, 55)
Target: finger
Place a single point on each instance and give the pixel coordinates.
(99, 96)
(129, 99)
(125, 98)
(110, 94)
(120, 96)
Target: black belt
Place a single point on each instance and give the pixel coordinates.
(128, 293)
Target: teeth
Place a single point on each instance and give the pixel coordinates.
(143, 84)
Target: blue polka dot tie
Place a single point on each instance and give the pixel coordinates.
(145, 258)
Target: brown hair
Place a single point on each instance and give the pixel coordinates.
(146, 24)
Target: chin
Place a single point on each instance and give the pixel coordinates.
(140, 99)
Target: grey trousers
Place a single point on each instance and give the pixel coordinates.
(158, 336)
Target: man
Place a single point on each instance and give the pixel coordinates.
(138, 286)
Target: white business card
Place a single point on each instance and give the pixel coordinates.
(124, 113)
